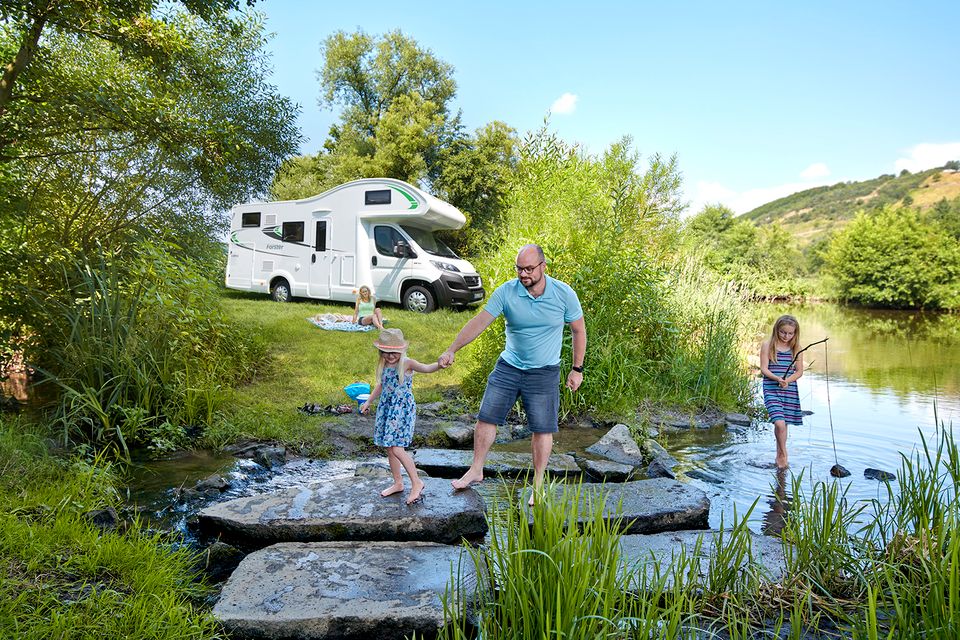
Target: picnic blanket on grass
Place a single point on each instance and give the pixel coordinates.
(337, 322)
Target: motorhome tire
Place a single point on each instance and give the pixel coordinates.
(419, 299)
(280, 291)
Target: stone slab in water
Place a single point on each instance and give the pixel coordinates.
(618, 445)
(350, 509)
(453, 463)
(644, 506)
(343, 590)
(646, 552)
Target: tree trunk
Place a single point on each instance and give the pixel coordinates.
(20, 62)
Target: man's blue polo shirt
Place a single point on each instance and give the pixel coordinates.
(534, 325)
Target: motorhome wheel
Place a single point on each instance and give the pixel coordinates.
(419, 299)
(280, 291)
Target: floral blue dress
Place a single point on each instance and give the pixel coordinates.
(396, 411)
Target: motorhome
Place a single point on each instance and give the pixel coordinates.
(378, 232)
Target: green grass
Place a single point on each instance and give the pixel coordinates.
(60, 577)
(308, 365)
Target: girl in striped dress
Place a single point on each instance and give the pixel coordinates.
(780, 380)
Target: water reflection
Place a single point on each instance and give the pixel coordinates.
(779, 504)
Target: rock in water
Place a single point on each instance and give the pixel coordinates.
(838, 471)
(879, 474)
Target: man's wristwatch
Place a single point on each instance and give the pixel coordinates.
(577, 369)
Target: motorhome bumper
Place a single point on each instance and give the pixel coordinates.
(453, 289)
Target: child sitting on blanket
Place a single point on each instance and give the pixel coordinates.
(365, 312)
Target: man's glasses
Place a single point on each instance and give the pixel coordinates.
(528, 269)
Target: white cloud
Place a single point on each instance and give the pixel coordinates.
(816, 170)
(927, 156)
(565, 104)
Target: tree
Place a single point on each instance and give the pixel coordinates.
(474, 173)
(893, 258)
(395, 105)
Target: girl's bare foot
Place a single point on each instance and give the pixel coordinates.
(396, 487)
(467, 480)
(416, 493)
(782, 462)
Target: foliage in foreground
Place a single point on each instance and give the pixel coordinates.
(141, 351)
(62, 577)
(890, 569)
(656, 329)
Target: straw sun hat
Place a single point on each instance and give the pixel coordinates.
(391, 340)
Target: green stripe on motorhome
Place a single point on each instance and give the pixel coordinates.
(413, 201)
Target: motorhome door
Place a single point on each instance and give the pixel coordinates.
(387, 262)
(321, 257)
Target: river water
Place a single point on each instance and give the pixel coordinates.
(883, 379)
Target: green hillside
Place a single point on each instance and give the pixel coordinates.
(815, 213)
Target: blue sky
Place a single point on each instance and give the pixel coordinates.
(757, 100)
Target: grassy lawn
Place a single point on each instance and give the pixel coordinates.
(308, 365)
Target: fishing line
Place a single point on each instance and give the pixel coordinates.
(826, 374)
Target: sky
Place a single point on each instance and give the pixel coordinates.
(756, 100)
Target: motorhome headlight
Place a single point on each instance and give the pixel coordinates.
(445, 266)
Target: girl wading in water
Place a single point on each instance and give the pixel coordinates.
(780, 393)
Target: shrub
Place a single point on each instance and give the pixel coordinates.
(615, 228)
(139, 350)
(894, 258)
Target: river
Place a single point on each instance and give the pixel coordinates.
(882, 379)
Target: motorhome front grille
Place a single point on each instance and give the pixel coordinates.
(267, 265)
(472, 281)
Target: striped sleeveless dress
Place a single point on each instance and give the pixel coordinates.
(782, 404)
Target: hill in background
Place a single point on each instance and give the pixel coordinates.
(817, 213)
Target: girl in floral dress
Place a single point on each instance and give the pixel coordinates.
(397, 410)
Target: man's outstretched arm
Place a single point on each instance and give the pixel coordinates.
(468, 334)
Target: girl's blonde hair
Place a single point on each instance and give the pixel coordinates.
(401, 366)
(360, 293)
(781, 321)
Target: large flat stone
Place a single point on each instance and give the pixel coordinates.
(643, 506)
(453, 463)
(343, 590)
(350, 509)
(655, 552)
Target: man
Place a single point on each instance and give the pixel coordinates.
(535, 307)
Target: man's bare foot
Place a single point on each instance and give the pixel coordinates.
(392, 489)
(536, 491)
(467, 480)
(416, 493)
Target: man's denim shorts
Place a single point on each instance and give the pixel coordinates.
(538, 388)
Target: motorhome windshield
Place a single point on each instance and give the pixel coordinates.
(429, 242)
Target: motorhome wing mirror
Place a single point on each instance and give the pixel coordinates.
(402, 250)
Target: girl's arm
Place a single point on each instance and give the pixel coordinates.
(793, 377)
(419, 367)
(373, 396)
(765, 362)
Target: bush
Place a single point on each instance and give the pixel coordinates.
(615, 228)
(894, 258)
(139, 350)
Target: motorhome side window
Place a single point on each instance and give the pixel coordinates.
(293, 232)
(386, 239)
(251, 219)
(381, 196)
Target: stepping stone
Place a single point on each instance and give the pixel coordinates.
(618, 445)
(646, 552)
(645, 506)
(337, 590)
(453, 463)
(607, 471)
(350, 509)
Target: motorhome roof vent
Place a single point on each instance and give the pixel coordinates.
(270, 220)
(267, 266)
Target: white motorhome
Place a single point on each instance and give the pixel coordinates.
(377, 232)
